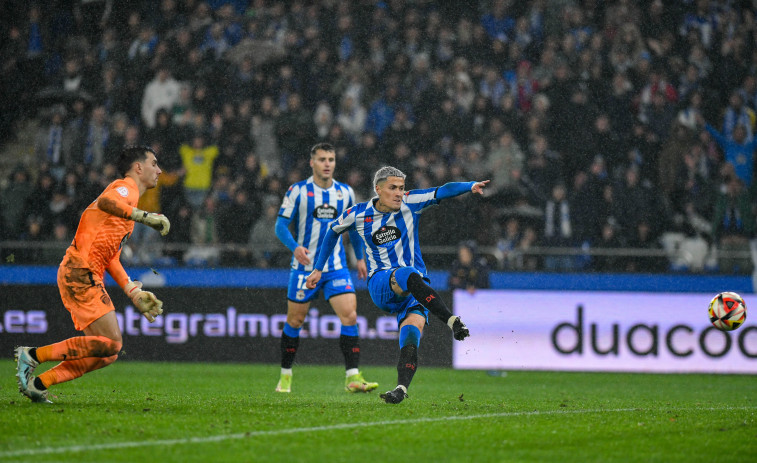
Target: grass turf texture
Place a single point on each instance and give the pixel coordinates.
(134, 411)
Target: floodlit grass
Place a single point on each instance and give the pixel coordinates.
(144, 412)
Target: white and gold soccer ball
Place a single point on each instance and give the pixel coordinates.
(727, 311)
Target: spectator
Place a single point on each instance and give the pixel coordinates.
(197, 160)
(738, 114)
(161, 93)
(558, 228)
(52, 144)
(352, 116)
(643, 240)
(469, 271)
(295, 130)
(235, 222)
(733, 226)
(636, 203)
(92, 142)
(323, 119)
(606, 259)
(739, 151)
(382, 111)
(267, 250)
(13, 201)
(505, 162)
(204, 235)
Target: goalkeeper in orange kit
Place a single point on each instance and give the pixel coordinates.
(103, 229)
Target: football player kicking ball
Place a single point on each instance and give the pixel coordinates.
(313, 203)
(103, 229)
(397, 279)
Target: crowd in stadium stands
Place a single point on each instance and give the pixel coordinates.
(602, 124)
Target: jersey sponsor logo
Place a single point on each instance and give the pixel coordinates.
(325, 212)
(339, 282)
(386, 235)
(368, 220)
(310, 194)
(123, 191)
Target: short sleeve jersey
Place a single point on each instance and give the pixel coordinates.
(100, 235)
(391, 239)
(312, 208)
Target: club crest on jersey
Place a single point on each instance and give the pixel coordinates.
(325, 212)
(123, 191)
(386, 235)
(300, 295)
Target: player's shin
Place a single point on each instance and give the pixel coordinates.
(410, 338)
(290, 341)
(349, 343)
(72, 369)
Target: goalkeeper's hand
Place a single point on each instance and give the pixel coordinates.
(145, 301)
(157, 221)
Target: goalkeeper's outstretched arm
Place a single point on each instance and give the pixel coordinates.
(111, 204)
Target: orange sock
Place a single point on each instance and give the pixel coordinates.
(79, 347)
(72, 369)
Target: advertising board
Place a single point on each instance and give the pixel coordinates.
(600, 331)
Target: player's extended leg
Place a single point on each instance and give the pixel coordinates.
(407, 279)
(290, 341)
(410, 338)
(99, 347)
(345, 306)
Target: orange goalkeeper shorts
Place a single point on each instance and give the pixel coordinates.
(83, 294)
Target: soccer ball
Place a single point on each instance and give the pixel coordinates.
(727, 311)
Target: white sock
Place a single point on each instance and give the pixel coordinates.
(352, 371)
(286, 371)
(404, 389)
(451, 321)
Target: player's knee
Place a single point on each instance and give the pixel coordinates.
(348, 319)
(410, 335)
(106, 347)
(295, 320)
(400, 279)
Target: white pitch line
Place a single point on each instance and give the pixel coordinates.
(276, 432)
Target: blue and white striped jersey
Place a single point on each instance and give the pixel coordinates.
(312, 208)
(391, 239)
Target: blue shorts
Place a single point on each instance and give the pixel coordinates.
(387, 300)
(333, 284)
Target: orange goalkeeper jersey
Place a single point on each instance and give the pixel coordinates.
(101, 235)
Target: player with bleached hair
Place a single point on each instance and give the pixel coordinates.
(104, 228)
(312, 204)
(397, 277)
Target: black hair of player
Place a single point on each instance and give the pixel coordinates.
(129, 155)
(321, 146)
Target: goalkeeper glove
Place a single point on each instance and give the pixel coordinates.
(157, 221)
(145, 301)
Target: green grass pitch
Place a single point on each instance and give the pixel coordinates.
(187, 412)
